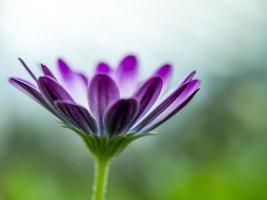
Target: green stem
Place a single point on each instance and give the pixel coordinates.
(101, 179)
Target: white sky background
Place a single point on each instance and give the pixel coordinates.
(191, 34)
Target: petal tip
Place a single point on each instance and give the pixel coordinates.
(63, 65)
(27, 69)
(102, 68)
(164, 72)
(129, 62)
(64, 69)
(12, 80)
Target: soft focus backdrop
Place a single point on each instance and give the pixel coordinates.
(215, 149)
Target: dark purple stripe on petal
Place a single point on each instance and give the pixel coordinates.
(177, 97)
(170, 114)
(79, 115)
(119, 116)
(47, 71)
(147, 95)
(103, 91)
(28, 69)
(52, 90)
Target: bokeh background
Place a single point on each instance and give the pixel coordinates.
(215, 149)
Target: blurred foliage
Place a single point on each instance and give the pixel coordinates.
(218, 151)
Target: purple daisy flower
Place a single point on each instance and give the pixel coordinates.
(110, 110)
(113, 102)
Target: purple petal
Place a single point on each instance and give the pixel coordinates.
(189, 77)
(32, 92)
(168, 115)
(128, 66)
(64, 70)
(170, 103)
(165, 73)
(52, 90)
(84, 78)
(68, 74)
(47, 71)
(76, 83)
(127, 74)
(147, 95)
(103, 91)
(78, 115)
(28, 69)
(103, 68)
(29, 89)
(119, 116)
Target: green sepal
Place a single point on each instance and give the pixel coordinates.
(105, 147)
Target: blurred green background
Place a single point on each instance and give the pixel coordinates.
(215, 149)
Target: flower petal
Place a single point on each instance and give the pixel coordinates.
(76, 83)
(165, 73)
(119, 116)
(65, 70)
(147, 95)
(28, 69)
(83, 77)
(32, 91)
(47, 71)
(170, 103)
(103, 91)
(52, 90)
(28, 89)
(103, 68)
(68, 74)
(127, 74)
(79, 115)
(168, 115)
(189, 77)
